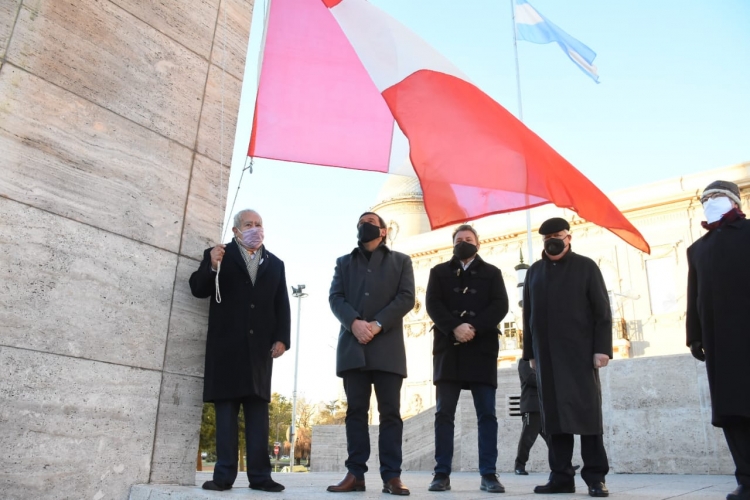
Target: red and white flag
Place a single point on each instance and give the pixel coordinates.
(343, 84)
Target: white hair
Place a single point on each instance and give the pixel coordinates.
(238, 216)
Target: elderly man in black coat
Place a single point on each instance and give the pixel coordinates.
(466, 299)
(248, 326)
(567, 337)
(718, 319)
(371, 292)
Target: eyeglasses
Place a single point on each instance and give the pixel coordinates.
(712, 196)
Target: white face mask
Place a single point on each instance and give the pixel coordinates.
(714, 208)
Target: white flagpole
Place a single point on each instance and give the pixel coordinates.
(520, 117)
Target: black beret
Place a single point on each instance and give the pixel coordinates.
(553, 225)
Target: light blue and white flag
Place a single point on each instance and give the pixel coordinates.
(534, 27)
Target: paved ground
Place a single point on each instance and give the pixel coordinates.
(304, 486)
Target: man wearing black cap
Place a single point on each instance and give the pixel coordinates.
(718, 301)
(567, 337)
(466, 298)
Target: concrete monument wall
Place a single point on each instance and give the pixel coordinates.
(110, 150)
(657, 420)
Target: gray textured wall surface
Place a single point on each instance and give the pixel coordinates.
(110, 132)
(657, 420)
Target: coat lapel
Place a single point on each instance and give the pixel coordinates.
(263, 264)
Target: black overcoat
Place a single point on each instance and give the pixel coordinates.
(529, 394)
(479, 294)
(718, 315)
(566, 319)
(381, 289)
(244, 326)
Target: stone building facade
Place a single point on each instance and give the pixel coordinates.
(111, 115)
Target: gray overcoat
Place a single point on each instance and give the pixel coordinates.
(381, 289)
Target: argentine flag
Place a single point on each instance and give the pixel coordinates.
(534, 27)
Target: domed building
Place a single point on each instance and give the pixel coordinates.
(401, 205)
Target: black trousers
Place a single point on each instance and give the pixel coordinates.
(358, 386)
(532, 427)
(738, 440)
(595, 463)
(256, 440)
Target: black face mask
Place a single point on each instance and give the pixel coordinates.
(554, 246)
(367, 232)
(464, 250)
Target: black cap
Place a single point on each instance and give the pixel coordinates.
(553, 225)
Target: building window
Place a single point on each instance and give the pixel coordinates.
(661, 275)
(511, 337)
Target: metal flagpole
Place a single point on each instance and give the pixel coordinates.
(520, 117)
(299, 294)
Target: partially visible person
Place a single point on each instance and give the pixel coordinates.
(247, 330)
(532, 419)
(371, 292)
(567, 338)
(718, 319)
(466, 299)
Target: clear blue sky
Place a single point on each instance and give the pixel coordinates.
(674, 99)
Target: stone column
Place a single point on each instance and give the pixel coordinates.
(110, 151)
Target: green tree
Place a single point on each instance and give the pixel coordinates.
(279, 419)
(332, 413)
(208, 430)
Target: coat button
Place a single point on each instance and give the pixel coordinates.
(367, 294)
(369, 270)
(252, 306)
(251, 332)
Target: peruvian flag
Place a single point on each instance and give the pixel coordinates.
(343, 84)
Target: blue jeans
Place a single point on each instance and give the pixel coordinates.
(484, 403)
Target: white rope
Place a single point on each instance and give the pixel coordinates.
(218, 293)
(221, 153)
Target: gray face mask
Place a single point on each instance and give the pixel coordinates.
(554, 246)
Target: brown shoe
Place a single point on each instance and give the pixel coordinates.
(349, 483)
(395, 487)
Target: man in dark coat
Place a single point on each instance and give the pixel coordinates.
(532, 419)
(371, 292)
(466, 299)
(718, 319)
(567, 337)
(248, 326)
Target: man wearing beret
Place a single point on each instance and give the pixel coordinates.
(718, 301)
(567, 338)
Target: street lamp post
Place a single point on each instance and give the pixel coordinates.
(296, 292)
(521, 269)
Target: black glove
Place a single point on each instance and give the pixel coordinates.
(696, 349)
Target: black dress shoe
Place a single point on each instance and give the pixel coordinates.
(742, 492)
(598, 489)
(490, 484)
(521, 471)
(210, 485)
(556, 487)
(441, 482)
(267, 485)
